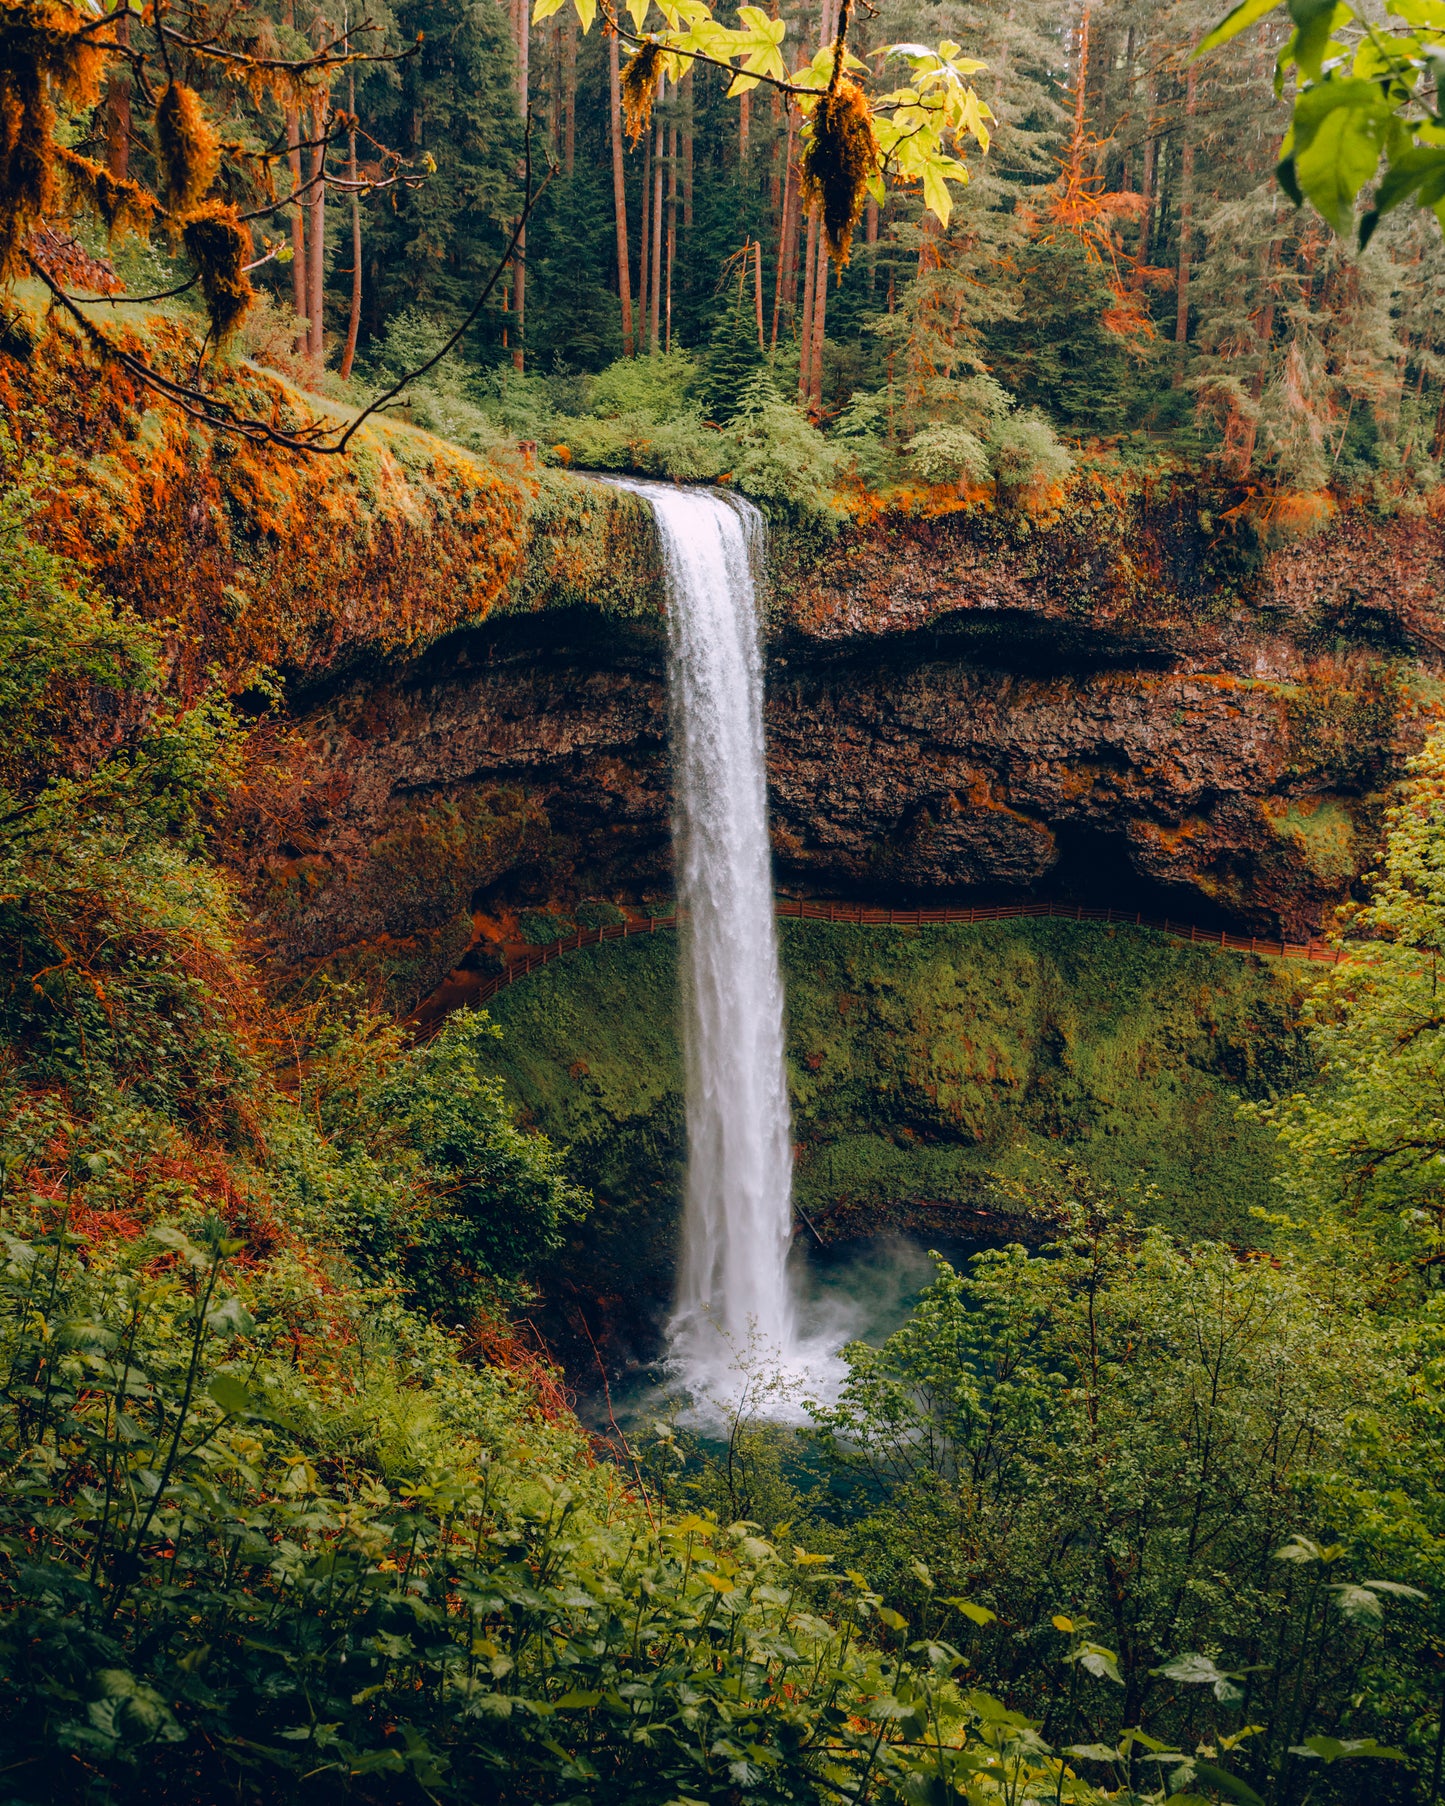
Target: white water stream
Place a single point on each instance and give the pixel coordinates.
(734, 1302)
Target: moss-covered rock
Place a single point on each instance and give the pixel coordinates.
(930, 1070)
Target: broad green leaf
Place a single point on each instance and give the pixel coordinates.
(1247, 13)
(937, 173)
(544, 9)
(232, 1395)
(586, 13)
(1223, 1782)
(1340, 129)
(230, 1318)
(1314, 32)
(1102, 1663)
(1336, 1749)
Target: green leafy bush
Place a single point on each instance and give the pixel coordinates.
(599, 915)
(540, 927)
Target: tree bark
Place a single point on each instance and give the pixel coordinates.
(619, 197)
(786, 289)
(117, 109)
(1146, 180)
(820, 317)
(805, 348)
(519, 284)
(685, 96)
(1186, 219)
(758, 288)
(745, 114)
(1126, 156)
(671, 227)
(818, 277)
(316, 239)
(299, 284)
(353, 324)
(658, 158)
(569, 93)
(644, 254)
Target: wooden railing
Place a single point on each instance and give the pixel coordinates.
(861, 915)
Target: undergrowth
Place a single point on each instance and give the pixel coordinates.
(286, 1511)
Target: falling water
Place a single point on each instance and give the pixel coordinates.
(732, 1292)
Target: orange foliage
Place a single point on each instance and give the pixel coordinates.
(1081, 206)
(261, 556)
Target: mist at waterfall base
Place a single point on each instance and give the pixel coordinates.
(735, 1298)
(855, 1291)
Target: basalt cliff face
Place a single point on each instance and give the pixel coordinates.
(1132, 705)
(1138, 700)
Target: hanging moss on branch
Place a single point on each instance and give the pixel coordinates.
(46, 55)
(219, 245)
(190, 151)
(840, 158)
(641, 78)
(124, 206)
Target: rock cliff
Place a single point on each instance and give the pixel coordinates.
(1130, 705)
(1159, 696)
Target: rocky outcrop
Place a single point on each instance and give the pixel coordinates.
(1118, 710)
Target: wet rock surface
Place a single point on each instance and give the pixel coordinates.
(1143, 722)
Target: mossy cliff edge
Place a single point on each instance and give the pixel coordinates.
(957, 707)
(262, 557)
(1147, 697)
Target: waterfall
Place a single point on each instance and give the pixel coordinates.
(732, 1289)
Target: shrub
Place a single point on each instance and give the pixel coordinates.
(599, 915)
(540, 927)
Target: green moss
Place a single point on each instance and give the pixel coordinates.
(1322, 832)
(926, 1068)
(589, 545)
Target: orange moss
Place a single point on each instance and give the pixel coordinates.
(261, 556)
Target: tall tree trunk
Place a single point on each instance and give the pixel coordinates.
(805, 347)
(519, 285)
(870, 239)
(654, 322)
(117, 108)
(671, 227)
(775, 181)
(644, 255)
(316, 238)
(758, 288)
(1126, 156)
(1146, 180)
(745, 115)
(569, 93)
(787, 238)
(827, 26)
(684, 95)
(299, 285)
(1186, 220)
(619, 196)
(820, 316)
(353, 324)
